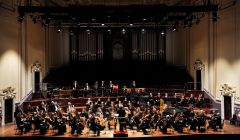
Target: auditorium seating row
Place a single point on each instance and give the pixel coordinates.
(80, 102)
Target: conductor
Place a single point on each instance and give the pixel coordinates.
(122, 114)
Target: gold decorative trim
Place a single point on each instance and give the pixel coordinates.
(198, 65)
(8, 93)
(226, 90)
(36, 66)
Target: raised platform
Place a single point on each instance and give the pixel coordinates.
(117, 133)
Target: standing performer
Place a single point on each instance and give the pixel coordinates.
(121, 113)
(102, 87)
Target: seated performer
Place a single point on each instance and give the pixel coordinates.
(76, 125)
(94, 124)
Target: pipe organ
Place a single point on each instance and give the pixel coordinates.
(144, 46)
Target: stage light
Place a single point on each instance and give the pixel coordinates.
(103, 24)
(131, 24)
(59, 29)
(88, 31)
(174, 29)
(162, 32)
(123, 31)
(143, 30)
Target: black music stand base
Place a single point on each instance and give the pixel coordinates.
(117, 133)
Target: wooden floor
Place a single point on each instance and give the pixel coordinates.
(9, 130)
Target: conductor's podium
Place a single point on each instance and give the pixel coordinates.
(117, 133)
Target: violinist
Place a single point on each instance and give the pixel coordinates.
(43, 107)
(76, 125)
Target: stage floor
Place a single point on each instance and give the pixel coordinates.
(9, 130)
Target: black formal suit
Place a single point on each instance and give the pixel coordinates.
(121, 112)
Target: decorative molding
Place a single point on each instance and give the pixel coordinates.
(8, 93)
(36, 66)
(198, 65)
(87, 54)
(227, 90)
(237, 99)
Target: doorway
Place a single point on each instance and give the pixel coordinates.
(198, 79)
(227, 107)
(8, 111)
(36, 81)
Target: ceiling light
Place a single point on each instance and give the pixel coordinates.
(174, 29)
(88, 31)
(109, 31)
(131, 24)
(123, 31)
(143, 30)
(162, 32)
(103, 24)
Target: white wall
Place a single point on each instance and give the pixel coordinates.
(22, 44)
(216, 44)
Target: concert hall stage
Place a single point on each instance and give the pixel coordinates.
(230, 132)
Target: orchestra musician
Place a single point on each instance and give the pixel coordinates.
(96, 88)
(110, 88)
(53, 107)
(142, 115)
(121, 114)
(201, 121)
(133, 84)
(75, 85)
(191, 100)
(150, 99)
(86, 90)
(43, 107)
(76, 125)
(20, 122)
(157, 99)
(94, 124)
(216, 121)
(200, 101)
(102, 87)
